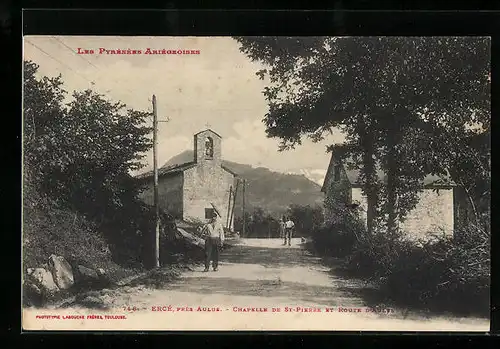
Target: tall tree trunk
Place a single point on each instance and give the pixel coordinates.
(392, 178)
(371, 188)
(370, 174)
(471, 200)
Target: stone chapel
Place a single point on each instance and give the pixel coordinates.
(188, 190)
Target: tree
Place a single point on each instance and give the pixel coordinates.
(80, 153)
(259, 224)
(307, 218)
(381, 92)
(238, 223)
(42, 108)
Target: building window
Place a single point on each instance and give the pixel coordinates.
(209, 147)
(336, 173)
(209, 213)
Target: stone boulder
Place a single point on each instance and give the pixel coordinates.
(104, 279)
(87, 274)
(44, 280)
(62, 272)
(87, 278)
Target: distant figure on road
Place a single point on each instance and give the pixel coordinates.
(214, 239)
(282, 227)
(289, 226)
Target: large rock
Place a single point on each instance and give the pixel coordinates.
(87, 274)
(61, 272)
(43, 279)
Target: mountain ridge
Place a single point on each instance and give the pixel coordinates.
(270, 190)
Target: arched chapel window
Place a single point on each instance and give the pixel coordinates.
(209, 147)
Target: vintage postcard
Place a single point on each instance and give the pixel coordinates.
(256, 183)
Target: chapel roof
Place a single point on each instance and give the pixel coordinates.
(208, 129)
(177, 168)
(353, 176)
(167, 170)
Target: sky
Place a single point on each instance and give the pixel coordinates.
(216, 89)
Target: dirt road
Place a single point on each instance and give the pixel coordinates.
(256, 277)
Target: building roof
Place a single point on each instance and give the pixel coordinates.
(176, 169)
(169, 170)
(353, 176)
(229, 170)
(208, 129)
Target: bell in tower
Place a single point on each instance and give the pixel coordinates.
(207, 146)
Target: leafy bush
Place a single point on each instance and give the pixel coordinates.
(307, 218)
(77, 159)
(335, 239)
(436, 273)
(442, 273)
(258, 224)
(338, 233)
(373, 254)
(48, 229)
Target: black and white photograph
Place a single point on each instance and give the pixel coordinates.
(256, 183)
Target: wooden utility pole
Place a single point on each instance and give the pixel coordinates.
(243, 206)
(229, 207)
(155, 170)
(234, 203)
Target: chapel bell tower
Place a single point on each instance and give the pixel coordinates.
(207, 147)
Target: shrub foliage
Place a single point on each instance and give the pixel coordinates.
(442, 273)
(79, 196)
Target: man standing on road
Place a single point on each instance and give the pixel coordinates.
(282, 227)
(214, 239)
(289, 225)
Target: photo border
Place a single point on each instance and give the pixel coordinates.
(184, 22)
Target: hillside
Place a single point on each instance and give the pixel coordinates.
(272, 191)
(51, 229)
